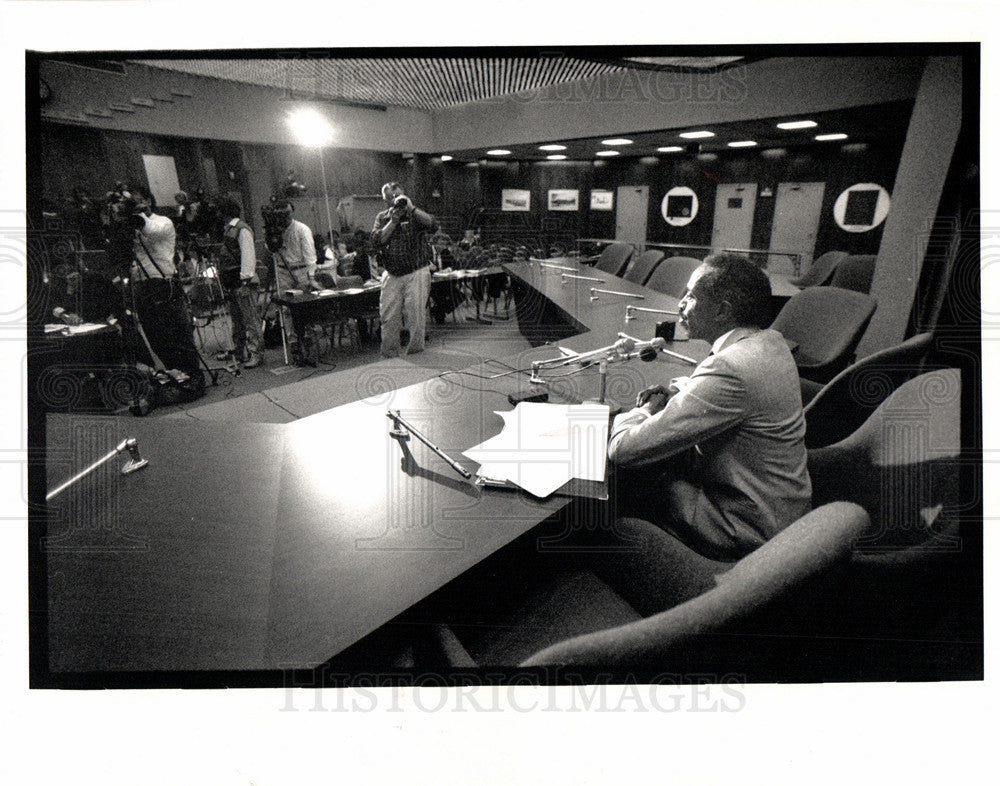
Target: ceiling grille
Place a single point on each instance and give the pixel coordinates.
(415, 82)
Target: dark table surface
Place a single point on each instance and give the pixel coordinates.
(261, 547)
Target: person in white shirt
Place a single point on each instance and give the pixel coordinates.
(295, 269)
(158, 297)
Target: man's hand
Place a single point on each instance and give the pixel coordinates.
(653, 398)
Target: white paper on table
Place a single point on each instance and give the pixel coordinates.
(542, 446)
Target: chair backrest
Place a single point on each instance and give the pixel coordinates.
(855, 273)
(672, 274)
(614, 258)
(821, 270)
(846, 401)
(826, 323)
(901, 466)
(641, 267)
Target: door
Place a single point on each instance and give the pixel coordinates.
(631, 215)
(796, 221)
(734, 210)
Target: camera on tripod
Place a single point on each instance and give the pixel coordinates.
(277, 218)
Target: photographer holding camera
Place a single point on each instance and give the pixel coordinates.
(158, 297)
(401, 236)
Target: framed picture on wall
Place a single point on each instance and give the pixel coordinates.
(602, 200)
(564, 199)
(515, 199)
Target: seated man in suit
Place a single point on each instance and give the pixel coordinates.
(720, 456)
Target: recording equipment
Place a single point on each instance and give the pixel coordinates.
(594, 291)
(582, 278)
(665, 330)
(277, 218)
(401, 202)
(134, 463)
(532, 398)
(402, 430)
(630, 312)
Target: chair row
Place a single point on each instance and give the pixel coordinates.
(834, 268)
(842, 593)
(840, 269)
(822, 324)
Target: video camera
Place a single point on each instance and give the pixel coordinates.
(277, 218)
(121, 216)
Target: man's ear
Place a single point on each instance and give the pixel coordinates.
(725, 311)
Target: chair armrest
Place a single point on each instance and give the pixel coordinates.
(807, 547)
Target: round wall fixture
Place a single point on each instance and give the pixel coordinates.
(679, 206)
(862, 207)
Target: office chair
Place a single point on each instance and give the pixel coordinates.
(672, 274)
(825, 324)
(855, 273)
(835, 410)
(641, 267)
(836, 588)
(614, 258)
(820, 271)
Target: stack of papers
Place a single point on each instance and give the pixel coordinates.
(543, 446)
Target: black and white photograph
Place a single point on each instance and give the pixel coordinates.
(340, 414)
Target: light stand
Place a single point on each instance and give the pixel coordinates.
(326, 197)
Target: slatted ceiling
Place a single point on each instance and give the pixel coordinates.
(685, 62)
(420, 83)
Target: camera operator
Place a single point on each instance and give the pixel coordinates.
(296, 263)
(400, 234)
(238, 274)
(160, 305)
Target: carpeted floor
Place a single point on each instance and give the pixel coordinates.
(279, 393)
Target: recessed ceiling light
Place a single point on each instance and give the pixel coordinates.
(744, 143)
(498, 152)
(607, 153)
(773, 152)
(829, 137)
(707, 156)
(670, 149)
(446, 158)
(696, 135)
(854, 147)
(556, 157)
(552, 147)
(619, 141)
(649, 160)
(793, 124)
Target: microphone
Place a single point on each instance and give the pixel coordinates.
(650, 353)
(648, 350)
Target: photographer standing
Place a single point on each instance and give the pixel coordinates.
(238, 275)
(400, 235)
(159, 300)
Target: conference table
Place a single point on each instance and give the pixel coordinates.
(312, 307)
(246, 547)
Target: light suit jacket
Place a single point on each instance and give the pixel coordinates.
(741, 413)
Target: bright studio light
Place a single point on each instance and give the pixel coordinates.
(310, 127)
